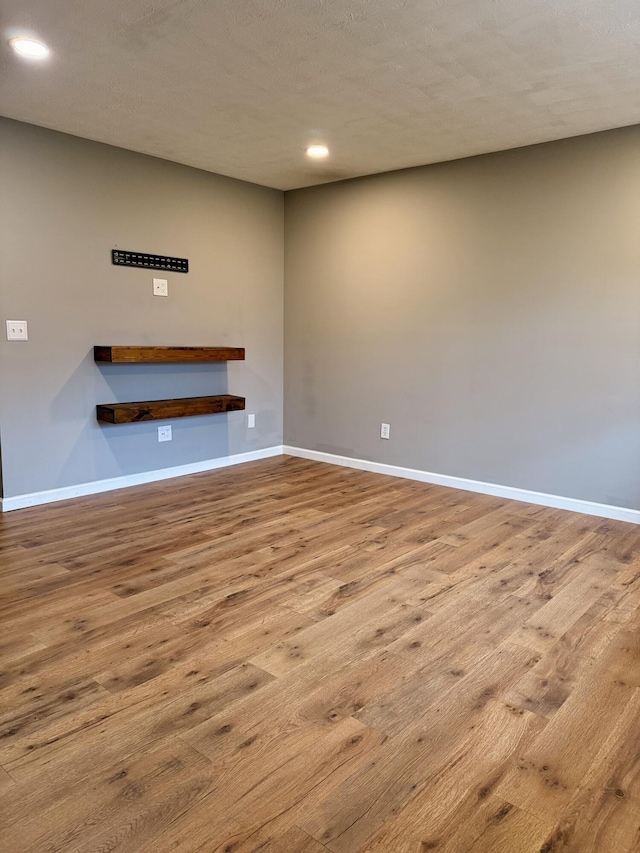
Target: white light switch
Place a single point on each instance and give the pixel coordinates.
(160, 287)
(17, 330)
(251, 421)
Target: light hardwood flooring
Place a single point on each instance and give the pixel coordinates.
(290, 657)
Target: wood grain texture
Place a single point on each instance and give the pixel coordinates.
(156, 410)
(141, 354)
(289, 657)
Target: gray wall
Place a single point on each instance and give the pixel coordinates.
(488, 309)
(64, 204)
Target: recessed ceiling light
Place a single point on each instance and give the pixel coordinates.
(317, 151)
(30, 48)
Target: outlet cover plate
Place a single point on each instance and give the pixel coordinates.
(160, 287)
(17, 330)
(164, 433)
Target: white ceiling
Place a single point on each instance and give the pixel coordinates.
(240, 87)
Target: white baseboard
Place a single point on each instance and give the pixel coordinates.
(509, 492)
(51, 495)
(556, 501)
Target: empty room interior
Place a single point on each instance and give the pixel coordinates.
(320, 426)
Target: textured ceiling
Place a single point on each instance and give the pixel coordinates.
(240, 87)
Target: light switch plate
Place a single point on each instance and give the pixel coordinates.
(251, 421)
(17, 330)
(160, 287)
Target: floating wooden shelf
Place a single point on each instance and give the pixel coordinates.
(154, 410)
(138, 355)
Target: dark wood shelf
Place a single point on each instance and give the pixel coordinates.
(142, 355)
(155, 410)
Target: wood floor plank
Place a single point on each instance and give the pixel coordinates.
(557, 616)
(272, 782)
(119, 802)
(367, 623)
(313, 697)
(294, 841)
(548, 773)
(127, 721)
(292, 657)
(455, 794)
(546, 687)
(6, 782)
(603, 815)
(405, 762)
(496, 827)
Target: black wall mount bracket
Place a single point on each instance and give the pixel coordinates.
(150, 262)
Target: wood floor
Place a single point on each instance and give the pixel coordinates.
(290, 657)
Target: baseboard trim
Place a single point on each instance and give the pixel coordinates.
(83, 489)
(555, 501)
(95, 487)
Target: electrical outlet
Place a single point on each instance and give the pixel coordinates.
(17, 330)
(160, 287)
(164, 433)
(251, 421)
(384, 430)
